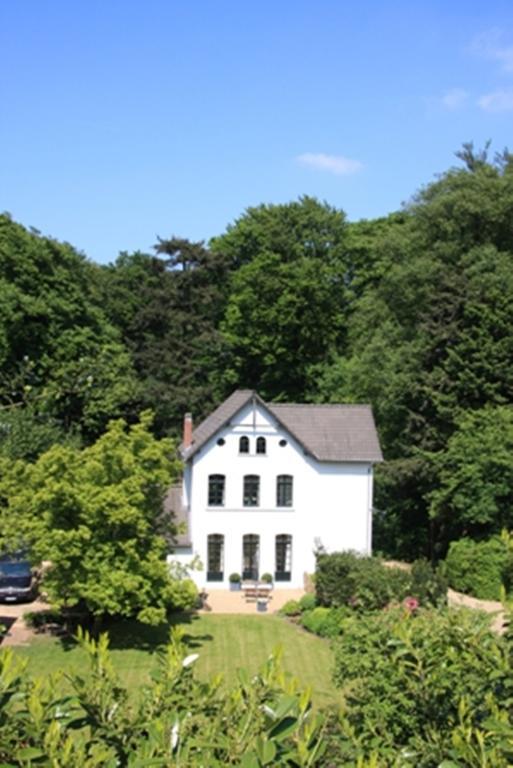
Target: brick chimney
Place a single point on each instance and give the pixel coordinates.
(187, 431)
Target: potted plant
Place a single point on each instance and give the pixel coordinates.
(234, 581)
(266, 578)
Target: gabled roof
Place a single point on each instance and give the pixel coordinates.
(335, 432)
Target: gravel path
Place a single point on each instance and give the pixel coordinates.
(457, 599)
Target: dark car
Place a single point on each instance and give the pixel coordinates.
(16, 579)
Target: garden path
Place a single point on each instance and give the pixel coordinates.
(11, 615)
(493, 607)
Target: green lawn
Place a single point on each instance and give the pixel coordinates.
(224, 644)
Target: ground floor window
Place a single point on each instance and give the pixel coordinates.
(250, 556)
(283, 557)
(215, 557)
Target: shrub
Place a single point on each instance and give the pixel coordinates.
(346, 578)
(291, 608)
(39, 619)
(325, 622)
(183, 595)
(307, 602)
(234, 578)
(266, 578)
(408, 680)
(427, 584)
(175, 719)
(479, 568)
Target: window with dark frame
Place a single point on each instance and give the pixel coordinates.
(244, 444)
(215, 557)
(251, 491)
(260, 445)
(283, 560)
(216, 490)
(284, 485)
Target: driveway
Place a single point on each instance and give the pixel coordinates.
(11, 616)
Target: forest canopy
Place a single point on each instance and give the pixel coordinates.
(412, 312)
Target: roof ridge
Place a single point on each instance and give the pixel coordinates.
(319, 405)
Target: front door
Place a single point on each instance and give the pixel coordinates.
(250, 556)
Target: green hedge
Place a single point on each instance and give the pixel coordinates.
(479, 568)
(325, 622)
(365, 583)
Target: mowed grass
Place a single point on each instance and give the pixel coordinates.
(224, 644)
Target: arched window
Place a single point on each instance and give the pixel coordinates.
(244, 444)
(260, 445)
(215, 557)
(216, 490)
(250, 556)
(251, 491)
(284, 484)
(283, 560)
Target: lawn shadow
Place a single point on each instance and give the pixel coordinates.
(129, 634)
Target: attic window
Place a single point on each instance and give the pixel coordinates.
(282, 443)
(244, 444)
(221, 441)
(260, 445)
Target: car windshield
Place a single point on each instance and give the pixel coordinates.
(19, 568)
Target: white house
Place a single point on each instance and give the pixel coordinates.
(266, 484)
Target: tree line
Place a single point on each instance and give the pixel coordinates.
(412, 312)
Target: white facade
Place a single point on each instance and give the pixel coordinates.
(331, 504)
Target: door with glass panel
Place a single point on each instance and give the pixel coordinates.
(250, 556)
(283, 570)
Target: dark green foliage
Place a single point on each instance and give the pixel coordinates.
(364, 583)
(429, 339)
(288, 302)
(59, 355)
(474, 495)
(479, 568)
(168, 309)
(428, 584)
(26, 434)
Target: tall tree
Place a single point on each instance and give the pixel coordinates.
(94, 515)
(431, 338)
(168, 308)
(54, 336)
(289, 298)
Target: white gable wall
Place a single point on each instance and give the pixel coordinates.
(331, 501)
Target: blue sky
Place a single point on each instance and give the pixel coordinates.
(121, 120)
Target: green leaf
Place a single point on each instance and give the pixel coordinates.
(283, 729)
